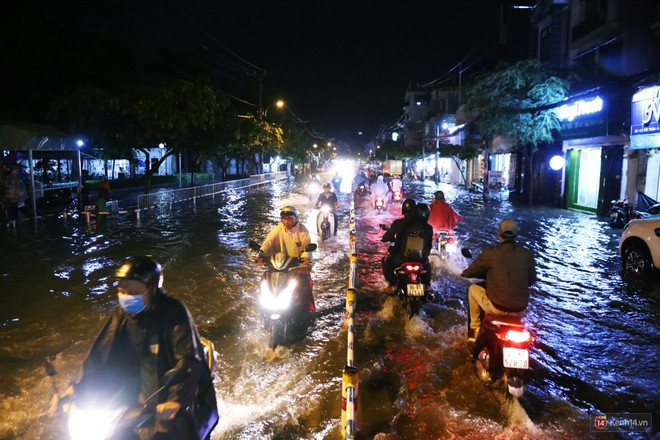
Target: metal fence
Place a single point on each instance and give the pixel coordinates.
(165, 199)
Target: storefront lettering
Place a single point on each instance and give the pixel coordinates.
(580, 108)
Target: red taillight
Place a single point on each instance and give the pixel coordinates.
(515, 336)
(450, 240)
(412, 267)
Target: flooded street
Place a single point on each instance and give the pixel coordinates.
(597, 348)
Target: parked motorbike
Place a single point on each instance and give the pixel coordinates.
(284, 309)
(379, 204)
(621, 212)
(100, 417)
(445, 243)
(325, 223)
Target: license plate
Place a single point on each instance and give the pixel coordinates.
(415, 290)
(516, 358)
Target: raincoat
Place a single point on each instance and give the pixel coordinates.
(291, 242)
(130, 356)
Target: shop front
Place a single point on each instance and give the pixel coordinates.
(594, 155)
(644, 170)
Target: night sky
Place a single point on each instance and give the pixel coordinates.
(342, 66)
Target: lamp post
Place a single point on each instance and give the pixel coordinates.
(279, 104)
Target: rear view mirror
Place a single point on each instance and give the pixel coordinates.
(254, 245)
(310, 247)
(466, 252)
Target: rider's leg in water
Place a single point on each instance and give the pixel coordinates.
(306, 291)
(426, 277)
(334, 215)
(389, 265)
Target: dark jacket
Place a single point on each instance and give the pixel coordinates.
(132, 352)
(331, 200)
(509, 269)
(395, 228)
(414, 227)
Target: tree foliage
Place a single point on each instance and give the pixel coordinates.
(510, 101)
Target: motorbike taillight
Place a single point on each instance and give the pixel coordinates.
(516, 336)
(412, 267)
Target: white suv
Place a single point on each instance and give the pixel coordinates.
(639, 245)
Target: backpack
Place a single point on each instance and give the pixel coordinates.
(414, 243)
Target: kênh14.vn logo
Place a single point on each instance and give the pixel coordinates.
(621, 422)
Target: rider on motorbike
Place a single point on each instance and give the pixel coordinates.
(407, 208)
(336, 182)
(359, 179)
(290, 237)
(443, 216)
(509, 269)
(328, 198)
(149, 334)
(396, 184)
(412, 243)
(379, 188)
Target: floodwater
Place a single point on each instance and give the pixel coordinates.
(597, 347)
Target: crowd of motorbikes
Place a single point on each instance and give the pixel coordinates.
(500, 351)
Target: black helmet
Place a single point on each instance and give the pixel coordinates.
(326, 185)
(142, 269)
(289, 210)
(439, 195)
(422, 210)
(407, 206)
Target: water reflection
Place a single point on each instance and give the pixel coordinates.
(597, 333)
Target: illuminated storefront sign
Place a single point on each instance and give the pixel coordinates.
(645, 118)
(568, 112)
(583, 118)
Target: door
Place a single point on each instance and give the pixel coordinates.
(611, 168)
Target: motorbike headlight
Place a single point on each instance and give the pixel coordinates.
(325, 209)
(92, 424)
(281, 301)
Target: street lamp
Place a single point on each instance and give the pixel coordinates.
(279, 104)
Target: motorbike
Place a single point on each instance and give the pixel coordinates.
(621, 212)
(101, 417)
(379, 204)
(445, 243)
(325, 223)
(361, 190)
(501, 349)
(502, 352)
(411, 290)
(336, 183)
(397, 195)
(283, 309)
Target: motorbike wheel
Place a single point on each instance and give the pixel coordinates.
(276, 334)
(617, 222)
(325, 233)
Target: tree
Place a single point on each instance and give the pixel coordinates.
(517, 101)
(178, 114)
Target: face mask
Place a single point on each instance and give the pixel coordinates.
(131, 303)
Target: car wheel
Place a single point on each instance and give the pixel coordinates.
(636, 260)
